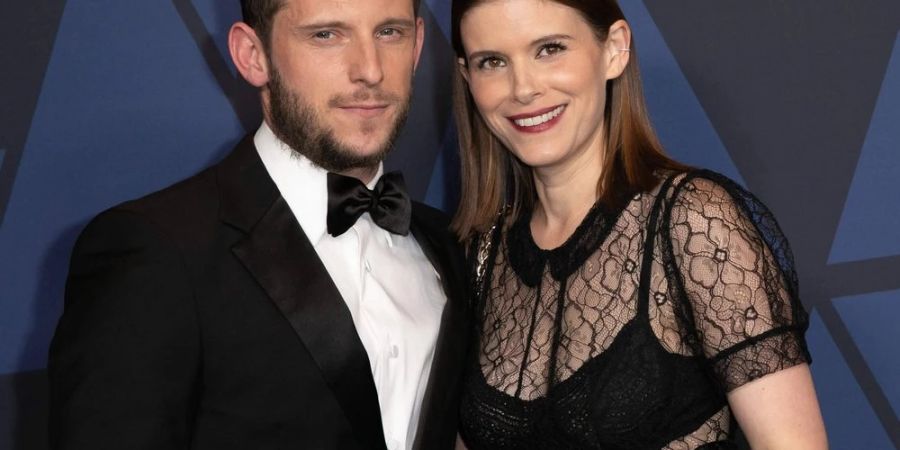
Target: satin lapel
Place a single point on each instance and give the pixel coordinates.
(437, 422)
(283, 261)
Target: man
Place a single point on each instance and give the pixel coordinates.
(290, 297)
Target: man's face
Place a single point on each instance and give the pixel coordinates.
(340, 77)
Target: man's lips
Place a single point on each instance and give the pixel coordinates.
(364, 110)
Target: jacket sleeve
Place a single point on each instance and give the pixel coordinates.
(124, 362)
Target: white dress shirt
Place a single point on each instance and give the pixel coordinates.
(390, 287)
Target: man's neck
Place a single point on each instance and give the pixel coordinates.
(364, 174)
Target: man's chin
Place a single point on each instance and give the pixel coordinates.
(343, 155)
(364, 148)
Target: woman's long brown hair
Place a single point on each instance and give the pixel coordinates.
(492, 177)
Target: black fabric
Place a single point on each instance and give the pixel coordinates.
(200, 317)
(388, 203)
(630, 334)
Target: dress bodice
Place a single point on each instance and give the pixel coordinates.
(630, 334)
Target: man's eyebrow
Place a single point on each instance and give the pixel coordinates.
(315, 26)
(338, 25)
(398, 22)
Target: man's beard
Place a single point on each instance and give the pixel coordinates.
(298, 125)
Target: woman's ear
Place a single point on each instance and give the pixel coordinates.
(248, 54)
(618, 49)
(463, 68)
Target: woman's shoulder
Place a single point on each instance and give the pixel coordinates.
(702, 196)
(701, 189)
(704, 201)
(698, 181)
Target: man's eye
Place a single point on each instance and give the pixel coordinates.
(324, 35)
(491, 62)
(389, 32)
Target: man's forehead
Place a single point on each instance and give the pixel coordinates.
(336, 10)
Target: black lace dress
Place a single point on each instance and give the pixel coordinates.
(630, 334)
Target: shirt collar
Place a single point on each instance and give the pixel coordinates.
(303, 185)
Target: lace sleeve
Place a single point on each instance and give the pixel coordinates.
(734, 279)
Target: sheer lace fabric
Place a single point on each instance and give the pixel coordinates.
(629, 335)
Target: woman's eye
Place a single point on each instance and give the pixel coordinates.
(491, 62)
(550, 49)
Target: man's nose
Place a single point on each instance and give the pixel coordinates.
(365, 63)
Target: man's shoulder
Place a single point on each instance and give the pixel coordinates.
(180, 213)
(431, 214)
(433, 220)
(436, 224)
(185, 201)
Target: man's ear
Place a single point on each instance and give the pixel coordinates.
(248, 54)
(420, 39)
(618, 49)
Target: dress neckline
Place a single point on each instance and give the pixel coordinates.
(529, 260)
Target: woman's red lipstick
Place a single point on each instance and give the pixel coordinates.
(538, 121)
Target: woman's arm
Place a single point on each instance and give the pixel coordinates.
(780, 411)
(735, 276)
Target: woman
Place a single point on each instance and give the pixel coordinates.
(624, 301)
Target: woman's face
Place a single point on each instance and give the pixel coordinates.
(538, 73)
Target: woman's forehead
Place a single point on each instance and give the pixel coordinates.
(517, 22)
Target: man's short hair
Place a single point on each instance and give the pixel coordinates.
(260, 14)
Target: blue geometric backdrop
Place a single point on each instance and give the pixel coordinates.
(799, 101)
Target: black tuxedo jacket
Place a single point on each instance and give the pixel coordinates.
(200, 317)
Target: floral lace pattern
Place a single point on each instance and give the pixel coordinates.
(726, 249)
(630, 333)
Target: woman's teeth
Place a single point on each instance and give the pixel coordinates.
(543, 118)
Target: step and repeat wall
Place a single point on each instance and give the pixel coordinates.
(103, 101)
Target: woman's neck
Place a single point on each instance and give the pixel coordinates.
(565, 194)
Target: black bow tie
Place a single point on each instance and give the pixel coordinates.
(388, 203)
